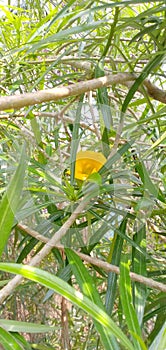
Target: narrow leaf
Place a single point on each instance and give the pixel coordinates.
(156, 144)
(127, 305)
(160, 340)
(27, 327)
(87, 287)
(64, 35)
(50, 281)
(154, 62)
(105, 111)
(121, 151)
(147, 182)
(139, 267)
(75, 140)
(8, 341)
(115, 260)
(10, 202)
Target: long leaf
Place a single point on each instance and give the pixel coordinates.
(115, 260)
(87, 287)
(60, 13)
(28, 327)
(10, 202)
(147, 182)
(145, 72)
(63, 35)
(105, 110)
(156, 144)
(139, 267)
(8, 341)
(21, 340)
(160, 340)
(127, 305)
(50, 281)
(121, 151)
(75, 139)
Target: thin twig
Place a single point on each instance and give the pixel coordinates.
(53, 115)
(97, 262)
(71, 59)
(36, 260)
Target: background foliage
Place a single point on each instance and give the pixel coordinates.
(46, 44)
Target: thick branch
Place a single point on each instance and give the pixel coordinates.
(32, 98)
(154, 92)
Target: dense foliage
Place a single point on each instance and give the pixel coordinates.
(86, 230)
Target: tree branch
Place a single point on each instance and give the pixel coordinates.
(32, 98)
(155, 92)
(97, 262)
(36, 260)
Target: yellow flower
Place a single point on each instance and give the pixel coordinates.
(87, 163)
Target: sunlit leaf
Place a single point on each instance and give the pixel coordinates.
(10, 201)
(62, 288)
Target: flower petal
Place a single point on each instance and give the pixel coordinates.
(87, 163)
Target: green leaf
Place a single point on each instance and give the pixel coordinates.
(160, 340)
(75, 140)
(156, 310)
(116, 250)
(50, 281)
(121, 151)
(104, 109)
(112, 33)
(10, 201)
(95, 177)
(21, 340)
(88, 288)
(27, 327)
(156, 144)
(60, 13)
(147, 182)
(3, 283)
(8, 341)
(139, 267)
(153, 63)
(63, 35)
(127, 305)
(36, 130)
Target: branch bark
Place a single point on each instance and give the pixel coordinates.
(32, 98)
(36, 260)
(154, 92)
(97, 262)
